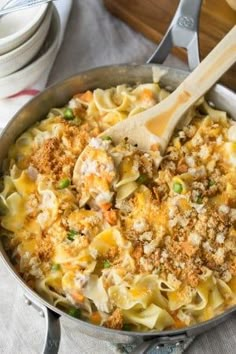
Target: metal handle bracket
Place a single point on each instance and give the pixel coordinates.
(164, 345)
(182, 32)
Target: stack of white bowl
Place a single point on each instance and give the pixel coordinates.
(28, 44)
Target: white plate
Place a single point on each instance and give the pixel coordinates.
(17, 27)
(27, 76)
(20, 56)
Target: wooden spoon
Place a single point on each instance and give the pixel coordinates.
(155, 126)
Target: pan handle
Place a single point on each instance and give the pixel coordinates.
(170, 345)
(53, 332)
(53, 329)
(182, 32)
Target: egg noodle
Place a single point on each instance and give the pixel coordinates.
(124, 244)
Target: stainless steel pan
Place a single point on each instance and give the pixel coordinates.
(182, 32)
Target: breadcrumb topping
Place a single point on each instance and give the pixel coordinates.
(122, 219)
(115, 321)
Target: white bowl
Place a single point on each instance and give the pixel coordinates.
(40, 66)
(20, 56)
(18, 27)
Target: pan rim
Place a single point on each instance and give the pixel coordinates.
(189, 330)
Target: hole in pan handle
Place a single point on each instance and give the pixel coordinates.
(183, 33)
(53, 329)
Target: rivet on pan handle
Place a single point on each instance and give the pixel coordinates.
(182, 32)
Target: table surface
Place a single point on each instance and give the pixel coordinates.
(93, 38)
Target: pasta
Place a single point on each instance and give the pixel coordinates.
(120, 243)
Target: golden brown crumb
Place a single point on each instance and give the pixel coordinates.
(138, 252)
(44, 248)
(192, 276)
(146, 165)
(182, 167)
(155, 257)
(115, 321)
(232, 267)
(75, 137)
(49, 159)
(112, 253)
(189, 249)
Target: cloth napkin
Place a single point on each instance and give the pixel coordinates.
(9, 106)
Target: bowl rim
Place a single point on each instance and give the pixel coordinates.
(33, 67)
(36, 19)
(19, 57)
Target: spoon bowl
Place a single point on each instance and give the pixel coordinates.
(152, 129)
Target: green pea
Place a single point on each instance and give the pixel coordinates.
(68, 114)
(142, 179)
(106, 137)
(127, 327)
(106, 264)
(199, 199)
(64, 183)
(177, 187)
(211, 183)
(71, 235)
(74, 312)
(55, 267)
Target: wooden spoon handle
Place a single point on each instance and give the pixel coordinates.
(162, 119)
(217, 62)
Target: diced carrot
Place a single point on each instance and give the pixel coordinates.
(146, 94)
(90, 179)
(155, 147)
(107, 176)
(77, 296)
(95, 318)
(86, 96)
(105, 206)
(178, 322)
(110, 216)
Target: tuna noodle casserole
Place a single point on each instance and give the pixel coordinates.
(124, 245)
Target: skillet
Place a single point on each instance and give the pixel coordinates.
(182, 32)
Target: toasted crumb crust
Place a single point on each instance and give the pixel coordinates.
(122, 221)
(56, 157)
(45, 248)
(115, 321)
(189, 240)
